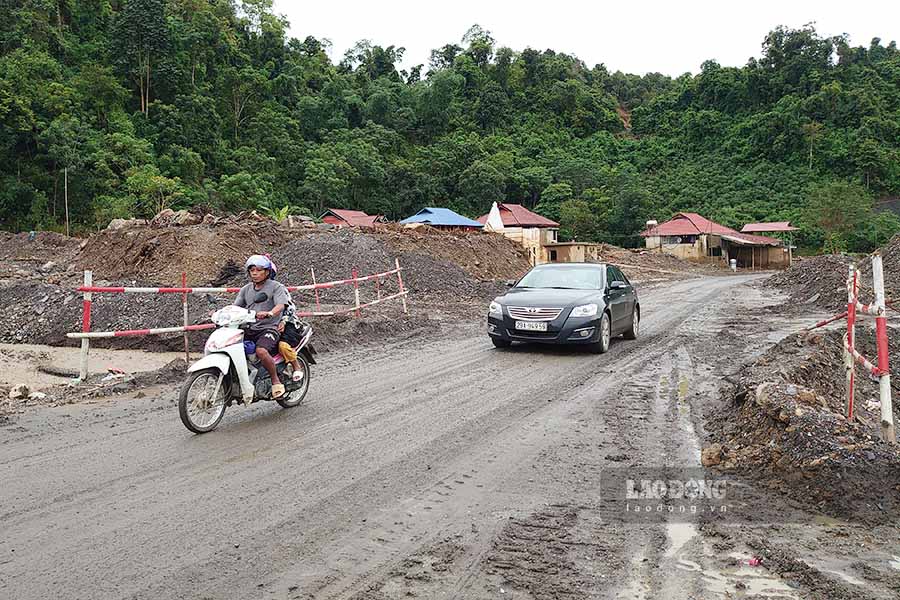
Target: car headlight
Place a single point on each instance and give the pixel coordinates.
(586, 310)
(496, 309)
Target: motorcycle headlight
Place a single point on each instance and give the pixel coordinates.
(495, 310)
(585, 310)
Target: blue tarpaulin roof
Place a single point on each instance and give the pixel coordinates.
(441, 217)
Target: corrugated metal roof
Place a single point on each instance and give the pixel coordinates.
(441, 217)
(694, 224)
(354, 218)
(516, 215)
(768, 227)
(750, 240)
(687, 224)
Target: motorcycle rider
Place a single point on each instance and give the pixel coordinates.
(264, 332)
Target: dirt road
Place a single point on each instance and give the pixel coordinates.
(430, 468)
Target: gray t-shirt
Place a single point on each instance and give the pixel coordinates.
(275, 294)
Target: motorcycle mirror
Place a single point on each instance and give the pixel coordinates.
(260, 297)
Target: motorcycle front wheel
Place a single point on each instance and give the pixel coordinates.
(295, 395)
(199, 410)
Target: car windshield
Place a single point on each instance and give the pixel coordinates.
(572, 278)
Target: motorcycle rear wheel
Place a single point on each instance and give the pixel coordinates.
(296, 395)
(199, 412)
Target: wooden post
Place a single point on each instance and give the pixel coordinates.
(66, 192)
(86, 326)
(356, 289)
(888, 433)
(184, 306)
(849, 361)
(400, 283)
(315, 289)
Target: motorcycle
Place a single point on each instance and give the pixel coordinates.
(227, 374)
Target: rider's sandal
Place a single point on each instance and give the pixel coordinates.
(297, 376)
(277, 390)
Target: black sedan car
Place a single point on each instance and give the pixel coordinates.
(567, 303)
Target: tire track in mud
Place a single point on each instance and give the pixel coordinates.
(515, 558)
(425, 453)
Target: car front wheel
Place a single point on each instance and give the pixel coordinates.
(601, 346)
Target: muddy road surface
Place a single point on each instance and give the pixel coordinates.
(429, 468)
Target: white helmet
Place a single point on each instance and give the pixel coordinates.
(262, 261)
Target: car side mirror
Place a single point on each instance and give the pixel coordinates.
(618, 285)
(510, 282)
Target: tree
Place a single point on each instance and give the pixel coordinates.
(245, 88)
(578, 221)
(837, 209)
(479, 186)
(66, 138)
(551, 198)
(141, 36)
(813, 132)
(150, 192)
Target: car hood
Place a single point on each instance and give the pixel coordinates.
(549, 297)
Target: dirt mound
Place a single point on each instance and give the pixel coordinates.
(641, 264)
(449, 275)
(158, 255)
(820, 281)
(890, 253)
(482, 255)
(786, 427)
(24, 254)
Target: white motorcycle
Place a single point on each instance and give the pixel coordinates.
(226, 374)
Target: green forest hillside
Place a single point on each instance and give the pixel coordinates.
(128, 107)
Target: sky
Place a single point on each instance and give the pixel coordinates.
(635, 37)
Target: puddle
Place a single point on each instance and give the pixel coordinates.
(844, 577)
(755, 582)
(679, 535)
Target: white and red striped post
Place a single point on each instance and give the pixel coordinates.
(888, 433)
(355, 274)
(184, 306)
(315, 289)
(86, 325)
(849, 359)
(400, 283)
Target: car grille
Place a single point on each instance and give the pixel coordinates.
(522, 313)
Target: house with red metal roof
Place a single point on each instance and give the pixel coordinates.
(693, 237)
(340, 217)
(536, 233)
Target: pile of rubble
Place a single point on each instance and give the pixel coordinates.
(820, 281)
(445, 273)
(786, 427)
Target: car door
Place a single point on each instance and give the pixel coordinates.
(630, 298)
(615, 300)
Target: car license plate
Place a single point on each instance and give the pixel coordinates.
(531, 326)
